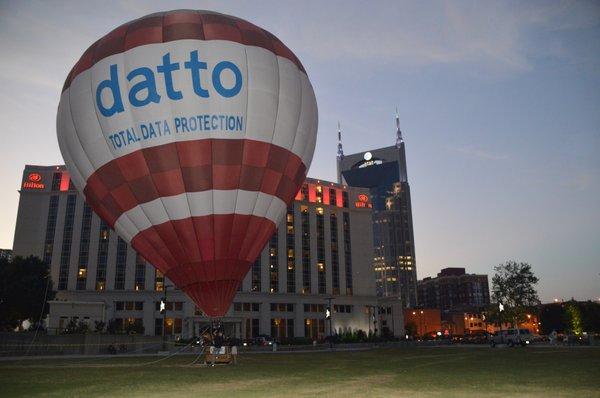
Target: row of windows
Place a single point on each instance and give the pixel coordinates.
(343, 309)
(289, 307)
(129, 305)
(121, 254)
(314, 308)
(246, 307)
(170, 305)
(316, 193)
(281, 307)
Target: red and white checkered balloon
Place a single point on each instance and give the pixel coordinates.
(190, 132)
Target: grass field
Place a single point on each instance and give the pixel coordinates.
(410, 372)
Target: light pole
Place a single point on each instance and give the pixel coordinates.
(329, 315)
(500, 309)
(164, 312)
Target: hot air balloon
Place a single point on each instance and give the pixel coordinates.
(189, 133)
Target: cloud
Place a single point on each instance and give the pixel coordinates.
(495, 36)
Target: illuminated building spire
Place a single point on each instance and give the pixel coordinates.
(399, 139)
(340, 151)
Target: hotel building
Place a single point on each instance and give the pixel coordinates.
(322, 249)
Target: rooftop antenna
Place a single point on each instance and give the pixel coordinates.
(399, 139)
(340, 151)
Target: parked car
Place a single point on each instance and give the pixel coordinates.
(264, 340)
(512, 337)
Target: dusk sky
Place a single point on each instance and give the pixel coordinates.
(499, 104)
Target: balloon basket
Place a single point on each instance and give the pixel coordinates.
(221, 356)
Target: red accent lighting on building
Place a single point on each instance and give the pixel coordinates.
(65, 179)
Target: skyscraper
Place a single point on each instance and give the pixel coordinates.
(383, 172)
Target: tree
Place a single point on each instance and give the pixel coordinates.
(76, 327)
(25, 289)
(411, 329)
(574, 316)
(513, 285)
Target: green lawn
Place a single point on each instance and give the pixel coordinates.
(414, 372)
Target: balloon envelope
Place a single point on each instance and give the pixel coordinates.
(189, 133)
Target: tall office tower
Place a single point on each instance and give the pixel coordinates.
(383, 172)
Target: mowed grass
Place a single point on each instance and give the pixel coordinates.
(410, 372)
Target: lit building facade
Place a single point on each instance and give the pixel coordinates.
(383, 172)
(321, 249)
(453, 290)
(424, 321)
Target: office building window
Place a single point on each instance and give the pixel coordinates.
(56, 178)
(332, 197)
(140, 273)
(319, 194)
(103, 238)
(252, 327)
(335, 265)
(159, 281)
(345, 200)
(50, 229)
(256, 271)
(282, 328)
(314, 328)
(84, 247)
(273, 264)
(306, 271)
(290, 252)
(65, 253)
(347, 254)
(304, 191)
(321, 271)
(171, 326)
(121, 264)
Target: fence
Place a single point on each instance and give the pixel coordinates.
(17, 344)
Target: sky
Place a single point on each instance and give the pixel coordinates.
(499, 105)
